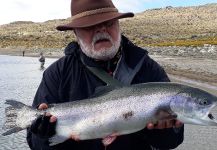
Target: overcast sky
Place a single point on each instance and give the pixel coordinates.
(42, 10)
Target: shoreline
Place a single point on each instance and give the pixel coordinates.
(31, 53)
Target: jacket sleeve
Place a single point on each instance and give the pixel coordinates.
(164, 138)
(46, 93)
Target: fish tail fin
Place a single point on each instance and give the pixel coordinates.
(11, 116)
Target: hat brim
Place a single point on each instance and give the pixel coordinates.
(92, 20)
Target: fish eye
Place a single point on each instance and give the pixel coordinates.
(203, 102)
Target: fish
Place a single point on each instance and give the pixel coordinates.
(115, 111)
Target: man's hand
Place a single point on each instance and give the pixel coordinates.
(44, 125)
(165, 124)
(165, 120)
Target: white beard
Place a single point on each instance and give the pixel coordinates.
(103, 53)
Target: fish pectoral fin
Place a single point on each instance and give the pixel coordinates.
(169, 117)
(109, 139)
(57, 139)
(163, 115)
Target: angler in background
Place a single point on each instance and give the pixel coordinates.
(41, 60)
(101, 45)
(23, 52)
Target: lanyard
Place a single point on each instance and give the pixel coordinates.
(104, 76)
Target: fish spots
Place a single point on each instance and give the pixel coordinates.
(127, 115)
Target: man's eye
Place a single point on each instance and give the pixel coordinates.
(88, 28)
(109, 24)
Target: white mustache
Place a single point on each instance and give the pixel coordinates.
(101, 36)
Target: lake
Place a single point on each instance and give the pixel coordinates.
(20, 78)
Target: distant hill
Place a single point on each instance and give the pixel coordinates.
(195, 25)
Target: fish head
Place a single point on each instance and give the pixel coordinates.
(194, 106)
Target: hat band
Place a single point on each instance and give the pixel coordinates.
(93, 12)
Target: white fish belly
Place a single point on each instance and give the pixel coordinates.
(101, 125)
(98, 121)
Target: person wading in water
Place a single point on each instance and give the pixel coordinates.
(42, 60)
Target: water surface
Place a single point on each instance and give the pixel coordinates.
(19, 80)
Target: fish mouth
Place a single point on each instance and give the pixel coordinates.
(211, 116)
(211, 120)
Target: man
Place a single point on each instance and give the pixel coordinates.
(41, 60)
(99, 44)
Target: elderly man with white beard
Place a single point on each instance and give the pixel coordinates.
(99, 45)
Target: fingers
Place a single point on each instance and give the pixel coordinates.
(161, 125)
(43, 106)
(53, 119)
(165, 124)
(45, 125)
(150, 126)
(178, 124)
(42, 127)
(158, 125)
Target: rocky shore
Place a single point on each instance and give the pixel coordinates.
(205, 51)
(199, 69)
(198, 63)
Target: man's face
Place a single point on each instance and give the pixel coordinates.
(101, 41)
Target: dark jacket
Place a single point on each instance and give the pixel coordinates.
(69, 80)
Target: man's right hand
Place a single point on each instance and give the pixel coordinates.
(44, 125)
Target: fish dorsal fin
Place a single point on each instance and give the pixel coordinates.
(105, 77)
(101, 90)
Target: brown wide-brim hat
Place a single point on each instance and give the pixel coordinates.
(86, 13)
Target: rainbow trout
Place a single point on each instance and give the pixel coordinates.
(121, 110)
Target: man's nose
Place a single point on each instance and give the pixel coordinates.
(100, 28)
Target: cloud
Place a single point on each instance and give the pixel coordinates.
(131, 5)
(33, 10)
